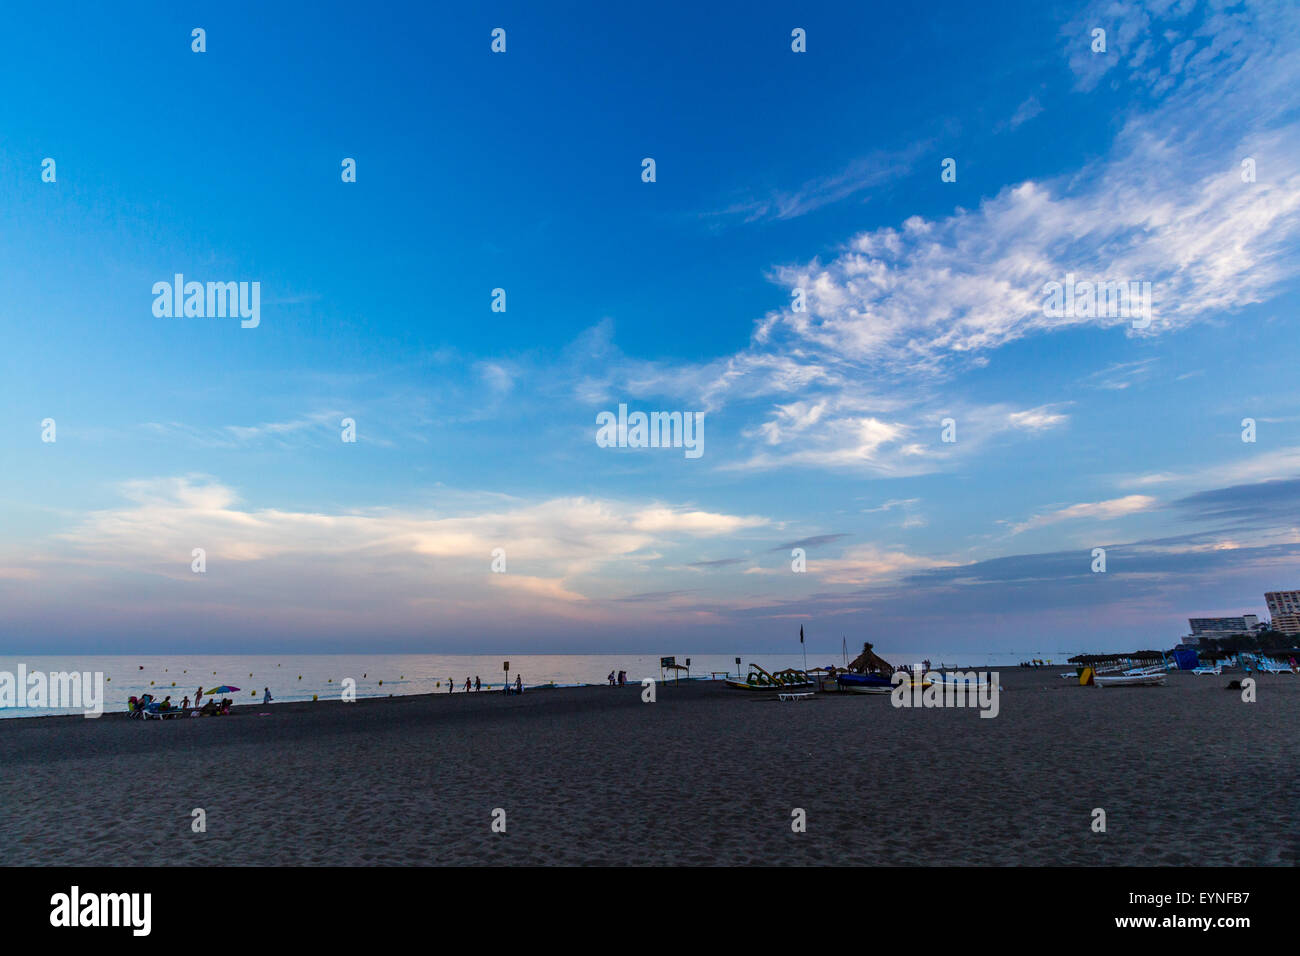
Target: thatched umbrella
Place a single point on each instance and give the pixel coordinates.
(1116, 658)
(869, 662)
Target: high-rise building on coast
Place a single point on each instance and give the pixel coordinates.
(1220, 627)
(1223, 626)
(1284, 608)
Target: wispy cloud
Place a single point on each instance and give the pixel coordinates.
(872, 565)
(1038, 419)
(1120, 375)
(1026, 111)
(317, 426)
(556, 551)
(906, 306)
(891, 505)
(867, 172)
(1250, 466)
(1096, 510)
(1167, 205)
(815, 541)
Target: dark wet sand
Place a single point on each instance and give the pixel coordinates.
(1187, 775)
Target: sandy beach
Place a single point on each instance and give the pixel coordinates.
(1188, 774)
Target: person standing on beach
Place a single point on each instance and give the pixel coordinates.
(198, 697)
(611, 678)
(519, 683)
(467, 685)
(185, 703)
(266, 695)
(478, 684)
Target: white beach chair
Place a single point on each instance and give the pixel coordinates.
(1208, 669)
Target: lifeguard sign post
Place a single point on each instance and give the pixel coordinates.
(670, 664)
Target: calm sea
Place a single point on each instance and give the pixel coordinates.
(300, 676)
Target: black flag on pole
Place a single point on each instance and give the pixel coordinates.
(800, 633)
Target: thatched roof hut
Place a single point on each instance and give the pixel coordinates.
(868, 662)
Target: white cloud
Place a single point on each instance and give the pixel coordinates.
(1026, 111)
(918, 296)
(872, 565)
(1253, 467)
(556, 550)
(1097, 510)
(496, 376)
(1038, 419)
(903, 306)
(1166, 206)
(808, 437)
(892, 504)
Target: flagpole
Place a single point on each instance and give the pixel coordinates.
(805, 648)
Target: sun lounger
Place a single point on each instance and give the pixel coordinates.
(1208, 669)
(1273, 667)
(789, 696)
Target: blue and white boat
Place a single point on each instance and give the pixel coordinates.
(864, 683)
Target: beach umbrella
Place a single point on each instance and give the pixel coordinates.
(223, 689)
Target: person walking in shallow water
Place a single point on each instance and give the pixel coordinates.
(467, 685)
(519, 684)
(266, 695)
(611, 678)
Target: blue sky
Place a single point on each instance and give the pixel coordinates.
(775, 170)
